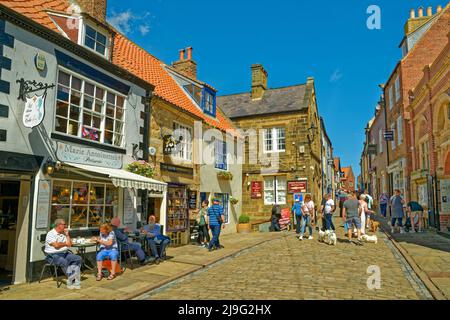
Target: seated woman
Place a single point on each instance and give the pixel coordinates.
(154, 237)
(108, 249)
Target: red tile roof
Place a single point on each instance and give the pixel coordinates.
(127, 55)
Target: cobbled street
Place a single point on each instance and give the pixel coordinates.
(291, 269)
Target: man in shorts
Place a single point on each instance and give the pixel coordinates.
(351, 214)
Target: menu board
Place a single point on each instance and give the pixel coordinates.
(257, 187)
(43, 204)
(128, 207)
(192, 200)
(297, 186)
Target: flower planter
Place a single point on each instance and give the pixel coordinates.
(244, 228)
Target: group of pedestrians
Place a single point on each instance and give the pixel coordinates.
(210, 218)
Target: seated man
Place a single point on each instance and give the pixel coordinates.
(57, 243)
(122, 238)
(154, 237)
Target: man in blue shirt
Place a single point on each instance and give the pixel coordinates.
(297, 210)
(154, 237)
(216, 223)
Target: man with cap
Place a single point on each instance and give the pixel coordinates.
(297, 210)
(123, 239)
(215, 221)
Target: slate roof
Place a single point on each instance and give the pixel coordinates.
(279, 100)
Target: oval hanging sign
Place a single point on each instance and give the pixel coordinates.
(40, 62)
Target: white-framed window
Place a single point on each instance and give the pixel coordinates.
(391, 97)
(275, 190)
(95, 40)
(88, 110)
(183, 134)
(380, 141)
(397, 88)
(221, 155)
(84, 204)
(274, 140)
(393, 140)
(400, 130)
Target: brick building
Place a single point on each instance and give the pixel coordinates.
(286, 133)
(348, 181)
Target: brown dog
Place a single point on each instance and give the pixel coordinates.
(374, 226)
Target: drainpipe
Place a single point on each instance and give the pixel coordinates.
(146, 136)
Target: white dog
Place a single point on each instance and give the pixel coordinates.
(328, 237)
(372, 239)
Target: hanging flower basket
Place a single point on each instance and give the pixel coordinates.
(224, 175)
(141, 168)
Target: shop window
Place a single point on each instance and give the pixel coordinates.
(177, 209)
(224, 202)
(84, 204)
(89, 111)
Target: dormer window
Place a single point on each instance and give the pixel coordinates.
(209, 102)
(195, 92)
(95, 40)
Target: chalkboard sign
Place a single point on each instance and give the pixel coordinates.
(192, 200)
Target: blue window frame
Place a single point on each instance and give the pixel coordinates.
(209, 101)
(221, 155)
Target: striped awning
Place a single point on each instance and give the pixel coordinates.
(125, 179)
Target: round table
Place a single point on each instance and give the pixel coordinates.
(81, 251)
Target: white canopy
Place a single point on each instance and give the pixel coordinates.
(125, 179)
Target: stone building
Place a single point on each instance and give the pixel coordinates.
(283, 143)
(328, 174)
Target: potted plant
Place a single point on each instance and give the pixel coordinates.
(233, 201)
(224, 175)
(141, 168)
(244, 225)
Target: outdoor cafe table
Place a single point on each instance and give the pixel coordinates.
(142, 238)
(81, 251)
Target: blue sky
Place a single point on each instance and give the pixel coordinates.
(293, 39)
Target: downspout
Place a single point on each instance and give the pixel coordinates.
(146, 143)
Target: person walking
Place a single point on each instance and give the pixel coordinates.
(322, 212)
(203, 227)
(307, 217)
(215, 220)
(276, 214)
(297, 211)
(369, 201)
(351, 213)
(365, 213)
(397, 203)
(384, 199)
(329, 209)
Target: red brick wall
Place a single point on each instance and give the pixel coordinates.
(96, 8)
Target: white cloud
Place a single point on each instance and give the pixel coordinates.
(336, 76)
(122, 21)
(144, 29)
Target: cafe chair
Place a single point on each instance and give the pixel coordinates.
(125, 254)
(122, 266)
(51, 266)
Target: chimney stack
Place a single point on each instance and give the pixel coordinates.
(187, 67)
(429, 11)
(95, 8)
(439, 9)
(412, 14)
(259, 81)
(420, 12)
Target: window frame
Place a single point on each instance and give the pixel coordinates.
(277, 181)
(218, 153)
(206, 92)
(103, 115)
(391, 97)
(97, 31)
(274, 140)
(187, 150)
(397, 88)
(399, 130)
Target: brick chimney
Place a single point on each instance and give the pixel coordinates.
(95, 8)
(259, 81)
(415, 22)
(186, 66)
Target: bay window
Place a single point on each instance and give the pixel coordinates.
(89, 111)
(274, 140)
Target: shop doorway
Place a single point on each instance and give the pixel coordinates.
(9, 207)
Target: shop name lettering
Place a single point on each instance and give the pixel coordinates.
(91, 155)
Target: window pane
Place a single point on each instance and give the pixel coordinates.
(96, 122)
(79, 217)
(64, 78)
(120, 101)
(76, 83)
(59, 212)
(74, 113)
(87, 118)
(99, 93)
(110, 110)
(75, 97)
(99, 106)
(61, 125)
(73, 128)
(110, 212)
(101, 49)
(119, 114)
(101, 38)
(95, 216)
(112, 195)
(89, 89)
(63, 93)
(111, 98)
(118, 140)
(108, 137)
(119, 126)
(80, 193)
(88, 102)
(90, 32)
(269, 196)
(97, 194)
(89, 42)
(62, 109)
(109, 124)
(61, 192)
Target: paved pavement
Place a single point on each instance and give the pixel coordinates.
(185, 260)
(286, 268)
(430, 255)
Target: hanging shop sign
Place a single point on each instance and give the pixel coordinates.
(89, 156)
(257, 187)
(192, 200)
(43, 204)
(445, 196)
(298, 186)
(389, 135)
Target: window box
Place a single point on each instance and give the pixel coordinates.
(224, 175)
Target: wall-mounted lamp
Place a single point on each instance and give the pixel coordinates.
(312, 132)
(49, 166)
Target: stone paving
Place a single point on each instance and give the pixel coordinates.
(431, 253)
(289, 269)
